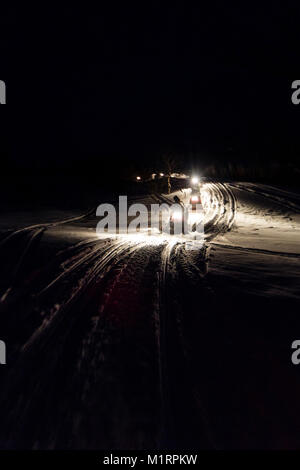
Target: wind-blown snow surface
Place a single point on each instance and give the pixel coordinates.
(136, 342)
(261, 253)
(250, 386)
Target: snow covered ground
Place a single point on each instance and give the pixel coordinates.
(135, 342)
(261, 252)
(262, 222)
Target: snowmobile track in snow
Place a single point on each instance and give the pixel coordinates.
(219, 211)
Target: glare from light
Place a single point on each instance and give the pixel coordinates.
(195, 180)
(161, 174)
(143, 238)
(138, 178)
(177, 215)
(194, 198)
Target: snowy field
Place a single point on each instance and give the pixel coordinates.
(136, 342)
(264, 242)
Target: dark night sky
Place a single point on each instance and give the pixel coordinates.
(133, 82)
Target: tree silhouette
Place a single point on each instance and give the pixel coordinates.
(170, 165)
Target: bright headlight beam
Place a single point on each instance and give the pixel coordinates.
(195, 180)
(177, 215)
